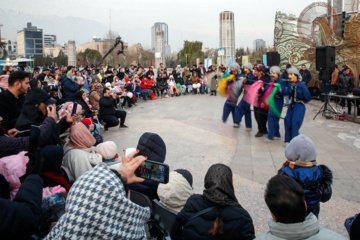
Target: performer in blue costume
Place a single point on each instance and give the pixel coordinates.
(230, 103)
(299, 95)
(273, 120)
(243, 108)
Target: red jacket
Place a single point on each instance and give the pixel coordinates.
(143, 85)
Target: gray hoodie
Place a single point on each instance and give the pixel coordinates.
(309, 229)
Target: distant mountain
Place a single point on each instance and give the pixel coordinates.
(66, 28)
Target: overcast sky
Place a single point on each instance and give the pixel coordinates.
(187, 19)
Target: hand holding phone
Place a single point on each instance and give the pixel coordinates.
(154, 171)
(129, 165)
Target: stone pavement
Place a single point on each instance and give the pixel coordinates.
(196, 138)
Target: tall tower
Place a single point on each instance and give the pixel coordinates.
(159, 49)
(71, 53)
(159, 26)
(227, 36)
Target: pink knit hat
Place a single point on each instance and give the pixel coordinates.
(107, 150)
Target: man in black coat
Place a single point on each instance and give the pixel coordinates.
(305, 74)
(201, 69)
(42, 76)
(108, 113)
(12, 100)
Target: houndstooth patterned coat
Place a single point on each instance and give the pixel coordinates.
(97, 208)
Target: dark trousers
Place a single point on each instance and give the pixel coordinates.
(130, 101)
(156, 90)
(261, 116)
(348, 104)
(113, 120)
(325, 87)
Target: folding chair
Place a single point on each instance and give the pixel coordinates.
(165, 217)
(141, 199)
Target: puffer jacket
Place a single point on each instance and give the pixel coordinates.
(316, 182)
(237, 221)
(152, 146)
(70, 88)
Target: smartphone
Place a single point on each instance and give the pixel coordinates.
(74, 109)
(154, 171)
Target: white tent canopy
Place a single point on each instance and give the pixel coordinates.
(23, 60)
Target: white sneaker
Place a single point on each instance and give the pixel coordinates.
(276, 138)
(248, 129)
(236, 125)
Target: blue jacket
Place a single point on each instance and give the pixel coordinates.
(284, 89)
(302, 92)
(316, 182)
(70, 88)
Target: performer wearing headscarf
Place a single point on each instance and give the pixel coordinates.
(243, 108)
(273, 120)
(299, 95)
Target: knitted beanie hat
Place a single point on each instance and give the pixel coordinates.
(107, 150)
(186, 174)
(301, 149)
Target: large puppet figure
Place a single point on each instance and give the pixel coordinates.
(299, 95)
(243, 108)
(273, 119)
(231, 86)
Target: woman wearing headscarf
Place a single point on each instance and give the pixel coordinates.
(97, 206)
(216, 214)
(80, 97)
(35, 83)
(79, 152)
(52, 173)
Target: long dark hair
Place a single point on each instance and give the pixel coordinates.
(218, 224)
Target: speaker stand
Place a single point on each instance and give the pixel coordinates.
(326, 108)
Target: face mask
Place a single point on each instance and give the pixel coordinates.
(73, 77)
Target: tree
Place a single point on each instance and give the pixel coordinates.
(190, 52)
(88, 57)
(240, 52)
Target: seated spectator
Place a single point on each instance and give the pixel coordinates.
(34, 109)
(109, 214)
(11, 145)
(152, 146)
(290, 220)
(79, 152)
(176, 192)
(203, 82)
(94, 77)
(180, 80)
(302, 166)
(108, 152)
(95, 95)
(108, 113)
(144, 87)
(101, 76)
(71, 85)
(87, 110)
(52, 174)
(12, 100)
(172, 85)
(352, 225)
(222, 217)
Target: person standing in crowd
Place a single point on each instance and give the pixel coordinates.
(335, 79)
(300, 95)
(215, 214)
(108, 113)
(12, 99)
(346, 83)
(44, 73)
(201, 69)
(243, 107)
(285, 200)
(211, 76)
(273, 120)
(305, 74)
(285, 77)
(94, 76)
(301, 165)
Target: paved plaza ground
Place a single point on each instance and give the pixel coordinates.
(196, 138)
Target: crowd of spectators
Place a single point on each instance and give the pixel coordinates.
(59, 179)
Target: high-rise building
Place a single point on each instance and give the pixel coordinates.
(258, 44)
(227, 36)
(160, 26)
(30, 42)
(49, 40)
(71, 53)
(159, 49)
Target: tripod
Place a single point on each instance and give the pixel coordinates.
(326, 108)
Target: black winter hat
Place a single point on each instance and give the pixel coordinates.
(186, 174)
(152, 146)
